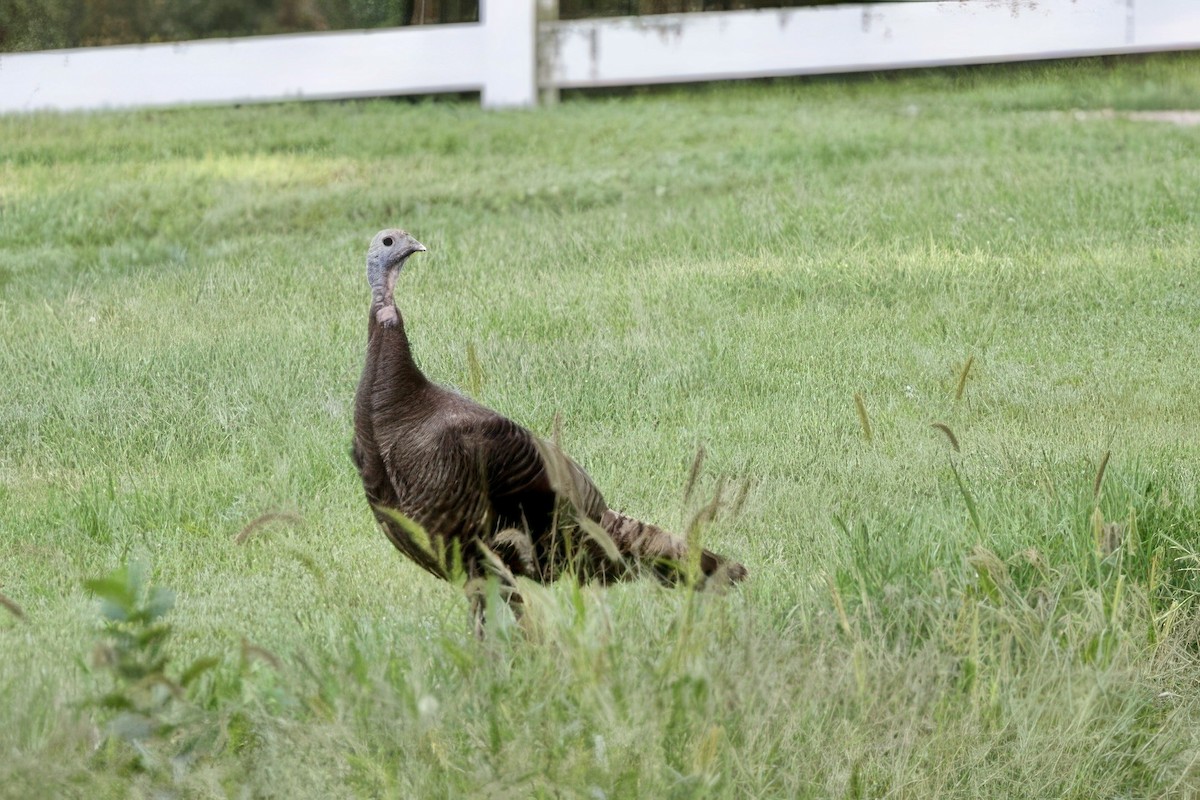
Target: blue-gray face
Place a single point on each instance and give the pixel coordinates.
(385, 258)
(390, 247)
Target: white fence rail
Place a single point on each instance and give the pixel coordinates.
(851, 38)
(509, 55)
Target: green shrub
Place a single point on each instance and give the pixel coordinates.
(150, 711)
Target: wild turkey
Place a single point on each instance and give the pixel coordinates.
(481, 488)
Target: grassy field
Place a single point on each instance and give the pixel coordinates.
(183, 307)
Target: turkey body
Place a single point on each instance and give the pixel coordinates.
(483, 488)
(456, 468)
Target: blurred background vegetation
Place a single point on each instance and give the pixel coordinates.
(51, 24)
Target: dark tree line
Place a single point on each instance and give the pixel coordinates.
(51, 24)
(48, 24)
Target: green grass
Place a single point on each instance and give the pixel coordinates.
(183, 307)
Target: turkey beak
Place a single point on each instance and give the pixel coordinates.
(412, 246)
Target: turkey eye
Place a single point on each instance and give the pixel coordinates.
(387, 242)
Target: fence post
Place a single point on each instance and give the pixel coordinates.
(510, 49)
(547, 50)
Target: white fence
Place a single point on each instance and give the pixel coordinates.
(509, 55)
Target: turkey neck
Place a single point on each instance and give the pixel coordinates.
(395, 371)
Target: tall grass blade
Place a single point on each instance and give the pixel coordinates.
(198, 668)
(694, 534)
(556, 430)
(944, 428)
(474, 371)
(863, 419)
(1098, 531)
(309, 563)
(966, 495)
(414, 541)
(262, 520)
(517, 541)
(563, 479)
(991, 571)
(739, 502)
(1099, 482)
(12, 607)
(601, 537)
(694, 473)
(416, 531)
(495, 564)
(962, 378)
(253, 652)
(838, 605)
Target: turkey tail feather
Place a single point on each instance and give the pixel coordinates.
(644, 541)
